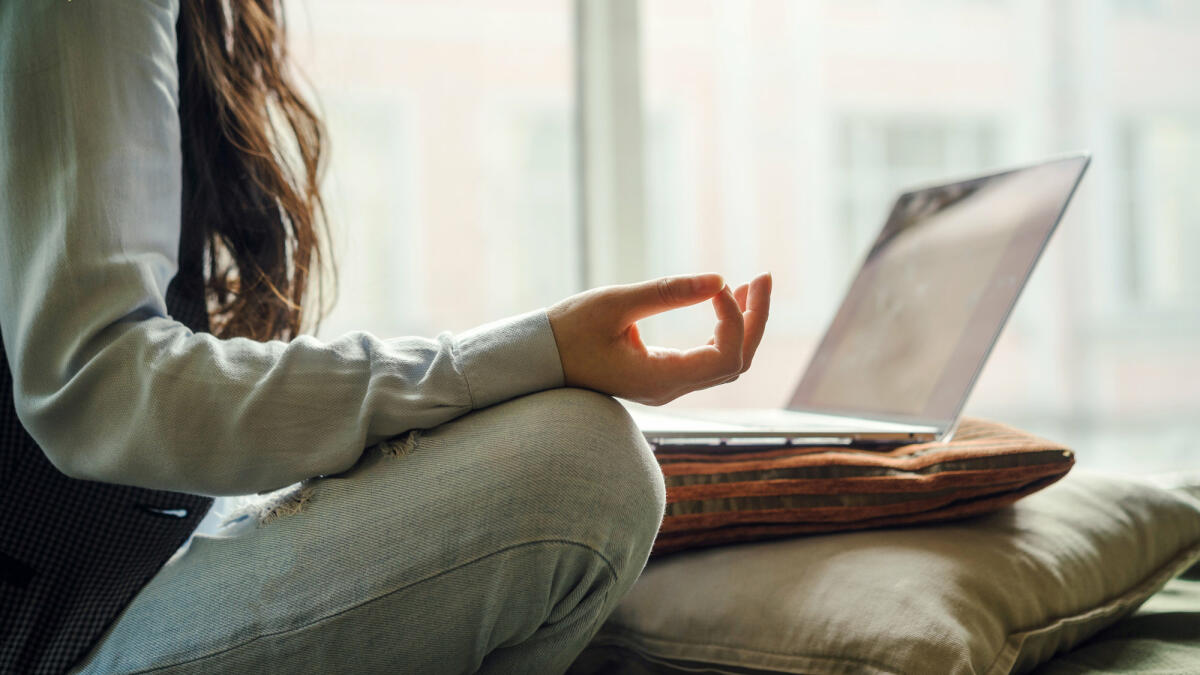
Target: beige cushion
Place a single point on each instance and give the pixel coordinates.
(995, 594)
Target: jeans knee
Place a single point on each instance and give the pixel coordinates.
(610, 467)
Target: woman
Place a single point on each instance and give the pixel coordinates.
(147, 196)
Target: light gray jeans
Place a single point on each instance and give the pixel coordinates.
(499, 544)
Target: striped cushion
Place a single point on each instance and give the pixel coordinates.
(723, 494)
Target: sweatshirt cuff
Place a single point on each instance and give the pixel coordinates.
(509, 358)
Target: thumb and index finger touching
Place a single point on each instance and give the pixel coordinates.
(640, 300)
(724, 354)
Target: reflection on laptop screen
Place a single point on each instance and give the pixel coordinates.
(933, 294)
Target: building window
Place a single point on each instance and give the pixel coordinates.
(1159, 159)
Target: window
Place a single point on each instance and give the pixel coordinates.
(1158, 9)
(779, 132)
(451, 182)
(489, 158)
(1159, 161)
(371, 186)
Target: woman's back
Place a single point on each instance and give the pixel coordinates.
(63, 541)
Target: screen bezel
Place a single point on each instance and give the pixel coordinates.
(1028, 248)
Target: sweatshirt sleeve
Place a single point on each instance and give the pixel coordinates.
(105, 381)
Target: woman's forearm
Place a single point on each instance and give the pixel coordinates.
(158, 406)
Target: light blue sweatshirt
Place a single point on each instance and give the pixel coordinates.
(105, 381)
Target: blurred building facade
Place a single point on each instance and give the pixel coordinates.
(774, 135)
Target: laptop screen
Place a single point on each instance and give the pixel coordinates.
(933, 294)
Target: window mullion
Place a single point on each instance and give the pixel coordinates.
(610, 142)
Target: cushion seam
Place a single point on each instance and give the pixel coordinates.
(1176, 565)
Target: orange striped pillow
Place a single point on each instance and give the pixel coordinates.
(726, 494)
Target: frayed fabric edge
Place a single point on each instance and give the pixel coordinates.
(293, 503)
(401, 445)
(265, 508)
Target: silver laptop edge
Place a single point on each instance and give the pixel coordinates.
(825, 407)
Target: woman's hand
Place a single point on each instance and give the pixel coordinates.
(601, 349)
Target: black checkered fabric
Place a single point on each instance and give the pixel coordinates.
(74, 553)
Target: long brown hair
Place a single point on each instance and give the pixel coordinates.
(253, 219)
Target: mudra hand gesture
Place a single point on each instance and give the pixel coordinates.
(601, 348)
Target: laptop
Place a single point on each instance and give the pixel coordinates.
(899, 360)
